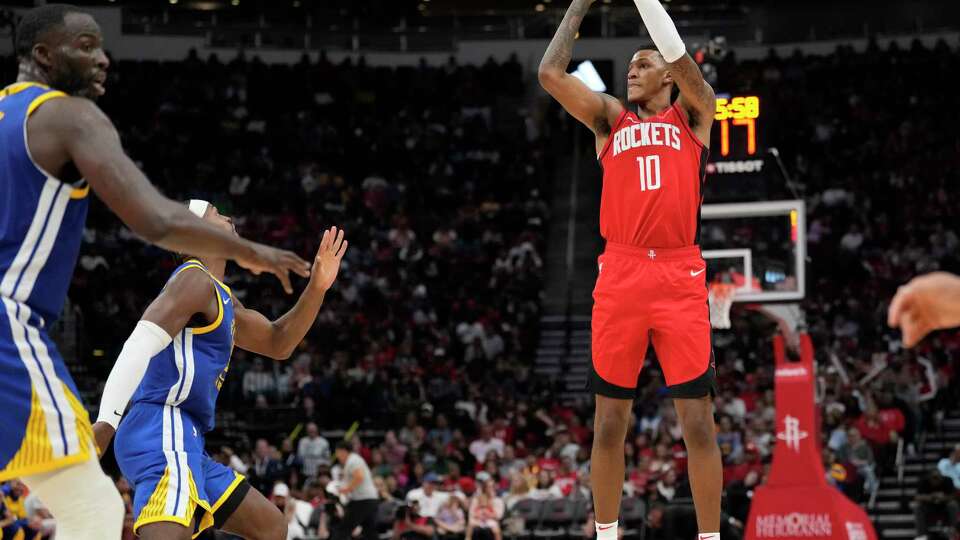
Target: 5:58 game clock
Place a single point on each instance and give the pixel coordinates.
(738, 160)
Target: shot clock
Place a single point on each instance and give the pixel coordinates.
(738, 168)
(738, 112)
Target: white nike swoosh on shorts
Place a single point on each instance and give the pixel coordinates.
(695, 274)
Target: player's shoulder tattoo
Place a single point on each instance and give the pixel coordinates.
(602, 124)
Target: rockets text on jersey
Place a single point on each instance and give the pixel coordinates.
(653, 173)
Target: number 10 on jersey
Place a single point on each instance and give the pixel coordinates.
(649, 172)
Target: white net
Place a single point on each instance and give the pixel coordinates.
(721, 300)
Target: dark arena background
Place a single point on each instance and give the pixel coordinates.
(453, 350)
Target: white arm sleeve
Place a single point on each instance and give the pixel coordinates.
(661, 29)
(145, 342)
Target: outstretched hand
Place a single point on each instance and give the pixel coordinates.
(925, 304)
(278, 262)
(326, 264)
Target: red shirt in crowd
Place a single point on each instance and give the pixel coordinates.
(679, 457)
(548, 464)
(733, 473)
(892, 419)
(580, 434)
(504, 432)
(873, 430)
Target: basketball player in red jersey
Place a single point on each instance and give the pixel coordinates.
(652, 283)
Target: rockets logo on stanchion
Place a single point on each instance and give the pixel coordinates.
(791, 433)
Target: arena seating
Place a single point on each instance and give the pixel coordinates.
(435, 315)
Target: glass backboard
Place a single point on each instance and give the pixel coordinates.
(758, 246)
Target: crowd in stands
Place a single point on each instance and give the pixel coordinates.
(23, 515)
(936, 498)
(876, 165)
(434, 173)
(437, 175)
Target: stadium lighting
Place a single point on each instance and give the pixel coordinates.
(588, 74)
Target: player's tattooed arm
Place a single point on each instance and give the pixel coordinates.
(278, 339)
(696, 96)
(595, 110)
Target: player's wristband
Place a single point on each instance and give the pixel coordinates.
(661, 29)
(145, 342)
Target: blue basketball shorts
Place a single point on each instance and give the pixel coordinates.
(160, 451)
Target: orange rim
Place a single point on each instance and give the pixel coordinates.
(722, 290)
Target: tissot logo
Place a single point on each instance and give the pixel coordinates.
(794, 525)
(735, 167)
(791, 372)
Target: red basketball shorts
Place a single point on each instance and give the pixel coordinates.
(646, 295)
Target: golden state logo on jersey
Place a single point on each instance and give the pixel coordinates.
(222, 378)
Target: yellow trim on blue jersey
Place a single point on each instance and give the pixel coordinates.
(194, 263)
(35, 447)
(156, 502)
(40, 100)
(191, 264)
(206, 521)
(35, 455)
(226, 494)
(80, 193)
(84, 428)
(153, 511)
(199, 263)
(215, 324)
(20, 87)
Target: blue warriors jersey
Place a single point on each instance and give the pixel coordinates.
(41, 218)
(159, 445)
(188, 374)
(44, 425)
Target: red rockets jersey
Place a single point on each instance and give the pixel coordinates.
(653, 174)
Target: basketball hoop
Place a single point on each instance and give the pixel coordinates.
(721, 300)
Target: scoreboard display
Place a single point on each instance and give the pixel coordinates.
(742, 112)
(739, 168)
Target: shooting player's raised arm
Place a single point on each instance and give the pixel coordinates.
(696, 96)
(596, 110)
